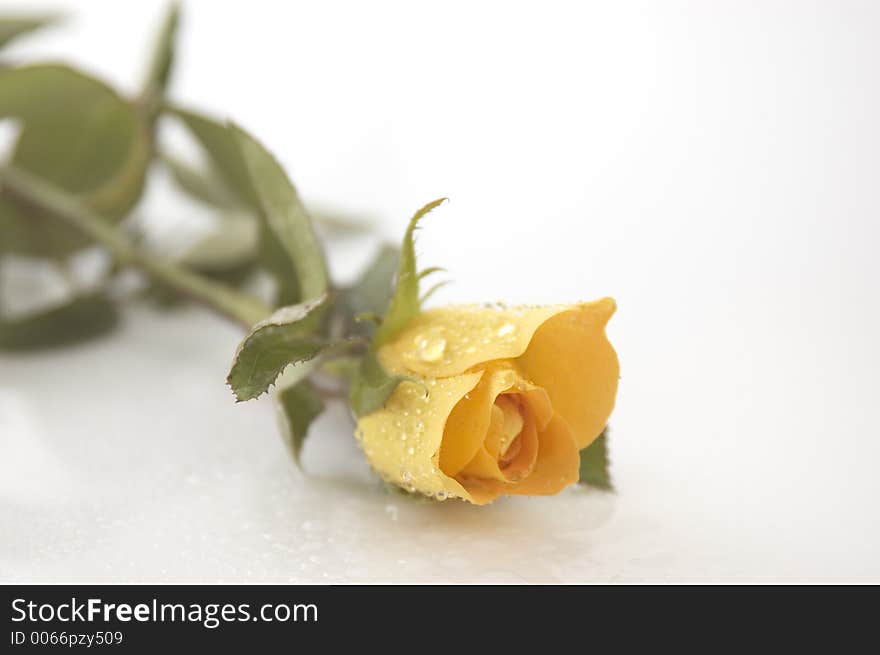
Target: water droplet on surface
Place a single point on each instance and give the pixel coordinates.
(440, 495)
(411, 450)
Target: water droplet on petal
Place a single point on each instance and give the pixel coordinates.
(504, 330)
(431, 348)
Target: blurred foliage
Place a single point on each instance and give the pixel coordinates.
(84, 137)
(78, 134)
(81, 159)
(81, 318)
(12, 27)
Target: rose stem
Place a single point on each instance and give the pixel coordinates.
(239, 307)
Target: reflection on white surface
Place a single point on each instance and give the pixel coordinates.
(160, 476)
(713, 166)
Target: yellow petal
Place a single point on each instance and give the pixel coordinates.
(555, 469)
(450, 340)
(521, 463)
(402, 439)
(469, 421)
(571, 358)
(482, 467)
(501, 435)
(537, 401)
(557, 464)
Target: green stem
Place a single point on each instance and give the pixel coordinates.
(240, 307)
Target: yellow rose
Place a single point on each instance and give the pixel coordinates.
(501, 400)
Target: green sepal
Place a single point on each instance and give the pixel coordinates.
(404, 304)
(594, 468)
(358, 308)
(372, 385)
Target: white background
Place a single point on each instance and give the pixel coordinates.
(712, 165)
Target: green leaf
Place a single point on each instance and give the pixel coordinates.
(162, 60)
(228, 254)
(298, 404)
(285, 215)
(80, 319)
(232, 245)
(404, 303)
(371, 386)
(79, 135)
(221, 145)
(207, 187)
(277, 262)
(288, 244)
(11, 28)
(282, 339)
(594, 463)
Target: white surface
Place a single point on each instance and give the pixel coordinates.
(711, 165)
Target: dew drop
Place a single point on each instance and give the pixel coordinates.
(506, 329)
(431, 348)
(440, 495)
